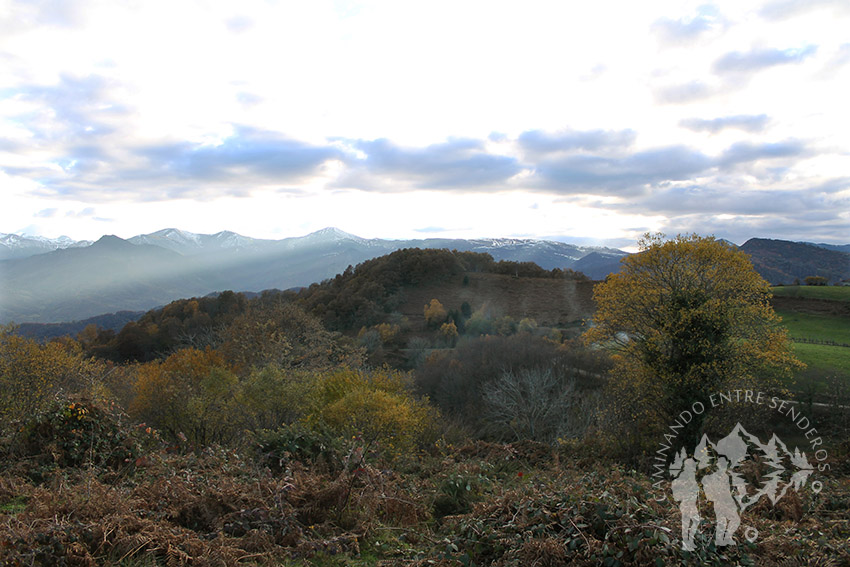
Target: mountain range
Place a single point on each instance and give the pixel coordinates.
(59, 280)
(79, 280)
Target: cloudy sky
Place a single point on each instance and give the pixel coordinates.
(574, 120)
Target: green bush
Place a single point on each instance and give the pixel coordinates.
(297, 442)
(456, 495)
(78, 433)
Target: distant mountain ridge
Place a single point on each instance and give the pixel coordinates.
(783, 262)
(17, 246)
(150, 270)
(77, 280)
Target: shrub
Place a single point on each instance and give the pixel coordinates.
(456, 495)
(297, 442)
(76, 433)
(191, 393)
(379, 405)
(31, 374)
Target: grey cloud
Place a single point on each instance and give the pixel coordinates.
(47, 213)
(636, 173)
(741, 228)
(746, 122)
(626, 175)
(461, 163)
(840, 59)
(9, 145)
(684, 93)
(248, 99)
(758, 59)
(23, 15)
(76, 108)
(784, 9)
(843, 56)
(539, 143)
(731, 200)
(241, 162)
(84, 213)
(248, 154)
(687, 30)
(239, 24)
(729, 211)
(746, 152)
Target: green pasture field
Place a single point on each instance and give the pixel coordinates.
(831, 292)
(815, 326)
(824, 359)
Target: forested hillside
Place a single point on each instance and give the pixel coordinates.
(428, 407)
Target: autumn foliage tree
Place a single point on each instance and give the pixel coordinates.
(273, 331)
(32, 374)
(685, 318)
(435, 313)
(191, 393)
(377, 405)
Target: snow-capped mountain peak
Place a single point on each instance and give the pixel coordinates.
(22, 246)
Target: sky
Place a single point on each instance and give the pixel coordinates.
(590, 122)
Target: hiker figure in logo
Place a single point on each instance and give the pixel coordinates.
(718, 490)
(686, 492)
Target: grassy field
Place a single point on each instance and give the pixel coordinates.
(824, 359)
(814, 317)
(820, 327)
(831, 293)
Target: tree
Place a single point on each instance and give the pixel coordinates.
(32, 374)
(685, 318)
(378, 405)
(530, 404)
(435, 313)
(192, 393)
(448, 332)
(275, 331)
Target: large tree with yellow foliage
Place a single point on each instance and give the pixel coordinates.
(686, 318)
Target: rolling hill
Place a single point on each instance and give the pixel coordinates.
(782, 262)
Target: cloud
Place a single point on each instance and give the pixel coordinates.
(840, 59)
(248, 155)
(684, 92)
(7, 145)
(732, 71)
(84, 213)
(732, 200)
(746, 152)
(248, 99)
(455, 164)
(74, 109)
(239, 24)
(740, 228)
(727, 210)
(684, 31)
(628, 175)
(538, 143)
(22, 15)
(47, 213)
(242, 162)
(746, 122)
(737, 62)
(784, 9)
(430, 229)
